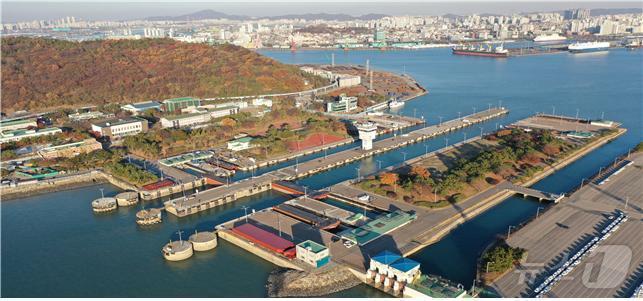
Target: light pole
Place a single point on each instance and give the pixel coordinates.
(435, 194)
(440, 124)
(358, 175)
(305, 191)
(465, 137)
(379, 164)
(581, 183)
(426, 148)
(474, 110)
(245, 212)
(102, 195)
(553, 110)
(489, 107)
(509, 230)
(446, 142)
(499, 104)
(488, 262)
(627, 199)
(404, 154)
(459, 113)
(538, 211)
(481, 129)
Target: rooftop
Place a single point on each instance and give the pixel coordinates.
(144, 105)
(312, 246)
(436, 287)
(180, 99)
(386, 257)
(113, 122)
(374, 229)
(405, 264)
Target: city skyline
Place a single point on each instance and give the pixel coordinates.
(13, 11)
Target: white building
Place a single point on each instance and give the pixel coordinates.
(240, 144)
(262, 102)
(18, 124)
(343, 104)
(120, 127)
(197, 117)
(345, 80)
(313, 253)
(367, 133)
(17, 135)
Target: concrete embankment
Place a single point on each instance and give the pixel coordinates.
(254, 249)
(327, 280)
(62, 183)
(436, 233)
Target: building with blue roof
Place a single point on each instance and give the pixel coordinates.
(392, 268)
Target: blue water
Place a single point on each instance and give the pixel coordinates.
(54, 246)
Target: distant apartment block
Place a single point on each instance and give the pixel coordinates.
(342, 104)
(116, 128)
(17, 135)
(176, 104)
(140, 107)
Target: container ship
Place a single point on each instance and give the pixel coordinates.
(488, 51)
(549, 38)
(588, 47)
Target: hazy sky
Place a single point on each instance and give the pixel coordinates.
(13, 11)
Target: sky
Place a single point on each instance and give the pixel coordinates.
(25, 10)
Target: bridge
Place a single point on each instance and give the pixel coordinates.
(530, 192)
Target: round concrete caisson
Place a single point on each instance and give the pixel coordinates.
(104, 205)
(203, 241)
(127, 198)
(177, 250)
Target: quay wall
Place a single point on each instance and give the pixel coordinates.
(62, 183)
(167, 191)
(265, 254)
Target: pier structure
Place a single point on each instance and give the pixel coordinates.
(327, 210)
(211, 198)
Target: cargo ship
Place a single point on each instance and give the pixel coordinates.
(549, 38)
(588, 47)
(488, 51)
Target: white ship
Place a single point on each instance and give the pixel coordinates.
(588, 47)
(395, 104)
(549, 38)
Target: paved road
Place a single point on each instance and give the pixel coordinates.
(567, 226)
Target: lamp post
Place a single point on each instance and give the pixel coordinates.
(426, 148)
(459, 113)
(379, 164)
(538, 211)
(581, 183)
(446, 142)
(404, 154)
(245, 212)
(358, 174)
(509, 230)
(102, 195)
(474, 110)
(488, 262)
(440, 124)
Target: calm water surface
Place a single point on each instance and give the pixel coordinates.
(53, 245)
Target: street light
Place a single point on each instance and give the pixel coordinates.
(440, 120)
(474, 110)
(404, 154)
(581, 183)
(358, 174)
(465, 137)
(446, 142)
(379, 164)
(426, 148)
(509, 230)
(538, 211)
(459, 113)
(245, 212)
(102, 195)
(481, 129)
(489, 106)
(488, 262)
(553, 110)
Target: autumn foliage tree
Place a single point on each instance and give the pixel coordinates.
(389, 178)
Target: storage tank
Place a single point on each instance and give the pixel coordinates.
(127, 198)
(177, 250)
(104, 205)
(203, 241)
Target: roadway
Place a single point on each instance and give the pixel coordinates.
(565, 227)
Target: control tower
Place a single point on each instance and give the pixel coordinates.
(367, 133)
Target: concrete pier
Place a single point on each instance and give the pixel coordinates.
(229, 193)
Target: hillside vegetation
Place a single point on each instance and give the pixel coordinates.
(39, 73)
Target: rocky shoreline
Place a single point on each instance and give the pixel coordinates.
(284, 282)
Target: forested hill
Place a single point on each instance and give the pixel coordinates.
(40, 73)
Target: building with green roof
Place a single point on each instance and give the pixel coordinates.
(313, 253)
(176, 104)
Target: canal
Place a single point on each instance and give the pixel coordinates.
(53, 245)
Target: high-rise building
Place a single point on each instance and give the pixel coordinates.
(577, 14)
